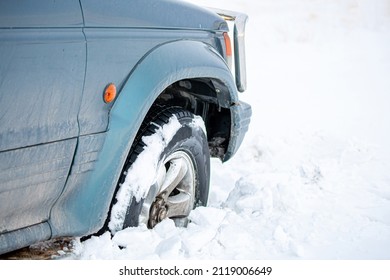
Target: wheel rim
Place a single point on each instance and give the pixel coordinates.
(172, 196)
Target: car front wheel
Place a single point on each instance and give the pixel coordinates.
(167, 172)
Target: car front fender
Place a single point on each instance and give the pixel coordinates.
(83, 207)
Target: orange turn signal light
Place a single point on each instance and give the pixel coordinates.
(109, 93)
(228, 44)
(228, 49)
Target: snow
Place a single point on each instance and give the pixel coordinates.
(139, 177)
(198, 123)
(311, 180)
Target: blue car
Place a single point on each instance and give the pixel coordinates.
(110, 112)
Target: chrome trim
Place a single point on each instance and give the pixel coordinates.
(239, 20)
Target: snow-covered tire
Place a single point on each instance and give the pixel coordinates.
(167, 172)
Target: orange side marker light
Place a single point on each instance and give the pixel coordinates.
(109, 93)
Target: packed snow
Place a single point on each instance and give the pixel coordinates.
(312, 178)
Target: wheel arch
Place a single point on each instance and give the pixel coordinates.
(163, 72)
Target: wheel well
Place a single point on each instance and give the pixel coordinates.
(207, 98)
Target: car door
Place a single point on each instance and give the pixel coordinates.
(42, 69)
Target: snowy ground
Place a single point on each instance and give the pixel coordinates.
(312, 179)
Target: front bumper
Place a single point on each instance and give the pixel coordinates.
(241, 114)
